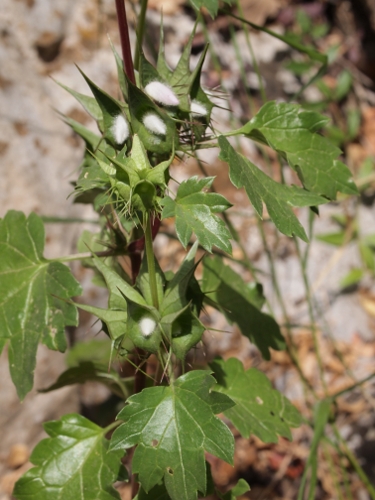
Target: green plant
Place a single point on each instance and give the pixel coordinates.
(125, 175)
(346, 119)
(350, 230)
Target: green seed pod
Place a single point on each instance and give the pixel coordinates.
(143, 329)
(187, 331)
(143, 197)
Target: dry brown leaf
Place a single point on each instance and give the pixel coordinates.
(355, 154)
(368, 130)
(309, 365)
(8, 481)
(357, 407)
(367, 350)
(327, 480)
(342, 385)
(18, 455)
(168, 7)
(246, 454)
(125, 491)
(368, 303)
(222, 473)
(258, 11)
(281, 358)
(333, 364)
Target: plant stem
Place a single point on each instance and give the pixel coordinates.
(254, 60)
(344, 471)
(291, 348)
(140, 375)
(86, 255)
(125, 41)
(354, 386)
(151, 262)
(139, 385)
(309, 300)
(140, 32)
(111, 426)
(215, 60)
(47, 219)
(354, 463)
(254, 270)
(332, 469)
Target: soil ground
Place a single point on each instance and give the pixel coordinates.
(39, 157)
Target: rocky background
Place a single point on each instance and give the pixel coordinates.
(39, 156)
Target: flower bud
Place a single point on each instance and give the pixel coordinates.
(154, 124)
(147, 326)
(120, 130)
(197, 108)
(161, 93)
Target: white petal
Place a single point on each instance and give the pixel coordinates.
(162, 93)
(120, 129)
(154, 124)
(197, 108)
(147, 326)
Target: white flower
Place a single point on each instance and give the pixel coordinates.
(147, 326)
(120, 129)
(161, 93)
(198, 108)
(154, 124)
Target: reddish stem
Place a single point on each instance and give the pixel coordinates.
(125, 41)
(136, 247)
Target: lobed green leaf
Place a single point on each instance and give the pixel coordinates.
(30, 291)
(94, 350)
(259, 410)
(278, 198)
(237, 491)
(172, 427)
(175, 293)
(88, 371)
(240, 304)
(194, 213)
(72, 463)
(291, 130)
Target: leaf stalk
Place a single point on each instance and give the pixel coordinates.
(140, 32)
(111, 426)
(151, 262)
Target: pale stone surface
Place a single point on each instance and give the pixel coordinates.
(39, 156)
